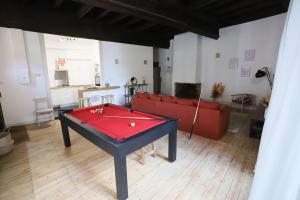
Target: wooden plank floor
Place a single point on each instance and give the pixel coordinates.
(41, 168)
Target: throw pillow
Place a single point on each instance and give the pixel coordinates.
(188, 102)
(144, 95)
(168, 99)
(154, 97)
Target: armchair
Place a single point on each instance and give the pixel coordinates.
(243, 100)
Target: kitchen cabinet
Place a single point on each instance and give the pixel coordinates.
(65, 96)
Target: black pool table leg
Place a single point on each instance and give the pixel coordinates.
(66, 135)
(121, 177)
(172, 145)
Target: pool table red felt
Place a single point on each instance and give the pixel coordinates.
(117, 128)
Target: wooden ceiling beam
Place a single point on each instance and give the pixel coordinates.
(200, 4)
(144, 22)
(144, 26)
(27, 1)
(84, 10)
(236, 6)
(132, 22)
(118, 19)
(103, 14)
(153, 11)
(285, 4)
(215, 6)
(248, 10)
(57, 3)
(169, 30)
(39, 19)
(259, 14)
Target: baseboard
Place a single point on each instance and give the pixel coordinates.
(27, 123)
(20, 123)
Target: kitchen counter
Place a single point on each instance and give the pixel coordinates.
(94, 89)
(67, 86)
(97, 88)
(96, 92)
(68, 95)
(65, 95)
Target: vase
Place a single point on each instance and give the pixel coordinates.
(6, 142)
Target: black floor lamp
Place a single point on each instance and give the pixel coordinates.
(264, 72)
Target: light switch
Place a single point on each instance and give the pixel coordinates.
(116, 61)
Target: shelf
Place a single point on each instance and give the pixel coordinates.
(136, 85)
(142, 87)
(66, 86)
(128, 95)
(96, 88)
(61, 70)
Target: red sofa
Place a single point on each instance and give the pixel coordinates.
(212, 120)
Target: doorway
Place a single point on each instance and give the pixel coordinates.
(156, 78)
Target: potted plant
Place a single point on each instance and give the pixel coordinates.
(6, 142)
(217, 91)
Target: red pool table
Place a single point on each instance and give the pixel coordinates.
(112, 130)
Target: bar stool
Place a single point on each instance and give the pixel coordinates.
(42, 107)
(84, 99)
(107, 99)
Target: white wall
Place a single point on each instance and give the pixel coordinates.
(17, 103)
(194, 57)
(262, 35)
(131, 63)
(82, 56)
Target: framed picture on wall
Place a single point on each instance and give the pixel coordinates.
(233, 63)
(250, 55)
(61, 64)
(245, 71)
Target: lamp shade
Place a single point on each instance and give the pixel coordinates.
(260, 73)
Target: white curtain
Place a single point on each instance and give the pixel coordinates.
(277, 173)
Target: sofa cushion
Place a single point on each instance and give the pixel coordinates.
(187, 102)
(154, 97)
(142, 95)
(209, 105)
(168, 99)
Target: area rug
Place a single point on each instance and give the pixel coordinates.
(236, 121)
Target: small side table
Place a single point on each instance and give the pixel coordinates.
(257, 122)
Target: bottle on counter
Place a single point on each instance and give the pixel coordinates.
(97, 80)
